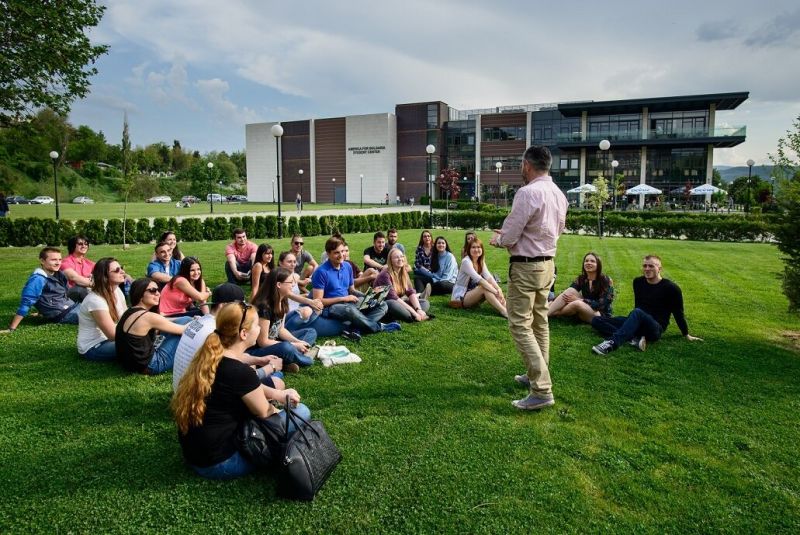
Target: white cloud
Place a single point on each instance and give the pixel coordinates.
(224, 110)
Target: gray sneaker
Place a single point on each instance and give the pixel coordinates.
(534, 403)
(639, 343)
(523, 380)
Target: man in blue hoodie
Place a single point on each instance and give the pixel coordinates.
(46, 289)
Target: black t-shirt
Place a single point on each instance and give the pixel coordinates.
(660, 300)
(275, 322)
(215, 440)
(380, 258)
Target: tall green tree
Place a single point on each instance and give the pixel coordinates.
(787, 175)
(46, 58)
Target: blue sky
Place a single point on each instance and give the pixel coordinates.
(199, 70)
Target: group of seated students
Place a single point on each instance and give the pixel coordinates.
(228, 357)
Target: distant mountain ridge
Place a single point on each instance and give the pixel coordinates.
(731, 173)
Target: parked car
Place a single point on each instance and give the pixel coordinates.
(82, 200)
(42, 199)
(160, 199)
(17, 199)
(237, 198)
(191, 199)
(215, 197)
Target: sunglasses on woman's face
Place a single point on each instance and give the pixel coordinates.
(82, 244)
(118, 269)
(153, 290)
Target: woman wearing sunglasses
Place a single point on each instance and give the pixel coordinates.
(100, 311)
(272, 303)
(219, 391)
(138, 348)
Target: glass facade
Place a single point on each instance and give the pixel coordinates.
(613, 127)
(671, 169)
(679, 124)
(550, 126)
(503, 133)
(460, 153)
(510, 163)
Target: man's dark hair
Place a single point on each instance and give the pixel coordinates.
(391, 230)
(238, 231)
(332, 244)
(160, 244)
(377, 235)
(538, 157)
(46, 251)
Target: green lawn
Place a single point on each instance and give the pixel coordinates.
(687, 437)
(138, 210)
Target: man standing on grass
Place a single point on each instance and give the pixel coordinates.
(655, 299)
(530, 233)
(46, 289)
(239, 257)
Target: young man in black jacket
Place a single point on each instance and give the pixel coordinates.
(655, 299)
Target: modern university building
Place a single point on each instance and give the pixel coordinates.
(666, 142)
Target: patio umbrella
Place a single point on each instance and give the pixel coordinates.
(705, 189)
(643, 189)
(586, 188)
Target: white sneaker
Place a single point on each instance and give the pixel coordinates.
(639, 343)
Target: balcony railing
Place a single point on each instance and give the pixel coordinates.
(728, 131)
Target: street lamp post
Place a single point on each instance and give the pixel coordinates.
(300, 172)
(361, 202)
(277, 132)
(334, 190)
(750, 164)
(614, 165)
(210, 166)
(430, 149)
(54, 158)
(499, 167)
(604, 145)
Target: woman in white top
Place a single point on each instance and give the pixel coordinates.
(475, 283)
(100, 310)
(304, 312)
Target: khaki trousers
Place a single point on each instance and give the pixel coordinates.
(528, 287)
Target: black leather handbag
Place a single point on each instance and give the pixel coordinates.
(308, 459)
(261, 441)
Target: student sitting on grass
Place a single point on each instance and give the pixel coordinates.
(444, 268)
(304, 312)
(475, 283)
(402, 299)
(265, 262)
(77, 268)
(272, 305)
(164, 267)
(240, 255)
(588, 296)
(186, 293)
(46, 289)
(219, 391)
(200, 327)
(422, 261)
(100, 311)
(137, 347)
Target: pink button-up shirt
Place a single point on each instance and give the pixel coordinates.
(83, 267)
(537, 219)
(242, 255)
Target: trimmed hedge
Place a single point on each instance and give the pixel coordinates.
(35, 231)
(699, 227)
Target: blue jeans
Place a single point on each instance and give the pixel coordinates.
(164, 352)
(324, 326)
(267, 380)
(287, 351)
(102, 352)
(241, 267)
(621, 328)
(366, 322)
(71, 317)
(236, 465)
